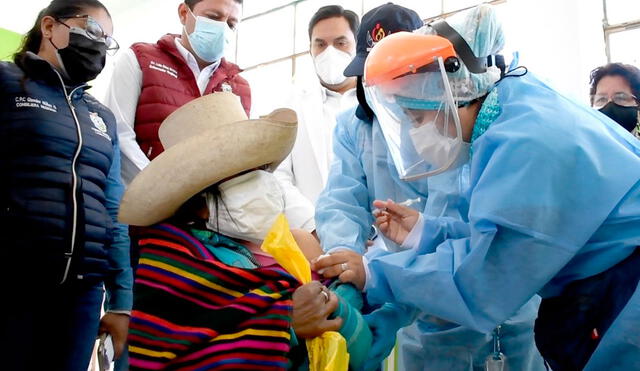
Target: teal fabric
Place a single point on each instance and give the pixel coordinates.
(225, 249)
(489, 112)
(418, 104)
(354, 328)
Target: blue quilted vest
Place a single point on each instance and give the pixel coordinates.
(55, 154)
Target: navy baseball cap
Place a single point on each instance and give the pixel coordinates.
(376, 24)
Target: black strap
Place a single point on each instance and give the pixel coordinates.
(473, 63)
(363, 112)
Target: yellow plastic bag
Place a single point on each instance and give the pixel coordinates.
(280, 244)
(327, 352)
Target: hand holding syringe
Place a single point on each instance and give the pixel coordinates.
(406, 203)
(395, 220)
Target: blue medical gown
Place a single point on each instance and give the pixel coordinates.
(362, 171)
(554, 197)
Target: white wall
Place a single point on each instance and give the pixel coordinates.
(560, 40)
(136, 21)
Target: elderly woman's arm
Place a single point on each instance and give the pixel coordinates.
(344, 304)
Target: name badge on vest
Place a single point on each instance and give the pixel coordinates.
(225, 87)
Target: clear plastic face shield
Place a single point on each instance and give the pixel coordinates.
(419, 118)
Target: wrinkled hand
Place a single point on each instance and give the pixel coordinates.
(395, 221)
(347, 265)
(311, 310)
(117, 325)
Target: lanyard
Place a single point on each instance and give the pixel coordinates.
(496, 361)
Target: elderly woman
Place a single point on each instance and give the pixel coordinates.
(206, 296)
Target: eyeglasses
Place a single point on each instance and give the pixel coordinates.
(621, 99)
(93, 31)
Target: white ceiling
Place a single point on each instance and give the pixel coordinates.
(21, 21)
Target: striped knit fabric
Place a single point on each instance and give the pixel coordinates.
(192, 312)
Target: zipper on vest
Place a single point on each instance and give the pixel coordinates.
(74, 176)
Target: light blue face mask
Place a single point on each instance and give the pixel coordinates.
(209, 38)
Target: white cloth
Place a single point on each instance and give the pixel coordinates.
(122, 98)
(415, 235)
(304, 172)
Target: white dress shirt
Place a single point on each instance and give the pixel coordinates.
(334, 104)
(122, 98)
(305, 171)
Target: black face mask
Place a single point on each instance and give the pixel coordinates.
(627, 117)
(83, 59)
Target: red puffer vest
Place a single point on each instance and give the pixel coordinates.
(168, 83)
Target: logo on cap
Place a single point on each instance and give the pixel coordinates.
(377, 33)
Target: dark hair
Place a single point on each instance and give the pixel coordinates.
(187, 215)
(332, 11)
(56, 9)
(626, 71)
(192, 3)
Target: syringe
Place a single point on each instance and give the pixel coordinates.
(406, 203)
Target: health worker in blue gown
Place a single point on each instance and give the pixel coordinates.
(362, 171)
(554, 202)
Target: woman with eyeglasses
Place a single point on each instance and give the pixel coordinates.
(60, 244)
(615, 89)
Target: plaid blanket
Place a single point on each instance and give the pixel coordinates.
(192, 312)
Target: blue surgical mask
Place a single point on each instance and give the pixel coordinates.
(209, 38)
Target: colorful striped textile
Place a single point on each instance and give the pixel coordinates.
(192, 312)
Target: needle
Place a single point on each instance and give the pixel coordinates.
(406, 203)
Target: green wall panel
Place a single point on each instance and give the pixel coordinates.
(9, 43)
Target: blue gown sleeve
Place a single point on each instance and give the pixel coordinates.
(343, 215)
(526, 222)
(119, 283)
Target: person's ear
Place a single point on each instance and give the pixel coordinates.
(183, 13)
(46, 26)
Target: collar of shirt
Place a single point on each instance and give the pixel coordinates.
(338, 102)
(202, 76)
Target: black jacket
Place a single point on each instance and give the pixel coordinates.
(56, 151)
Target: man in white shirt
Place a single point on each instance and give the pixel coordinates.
(319, 99)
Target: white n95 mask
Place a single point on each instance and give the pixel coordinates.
(247, 207)
(330, 65)
(435, 148)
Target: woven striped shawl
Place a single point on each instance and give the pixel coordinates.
(192, 312)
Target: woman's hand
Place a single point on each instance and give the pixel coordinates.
(312, 305)
(117, 325)
(347, 265)
(395, 221)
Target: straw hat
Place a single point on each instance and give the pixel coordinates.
(205, 141)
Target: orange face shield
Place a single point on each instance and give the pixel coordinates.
(405, 53)
(407, 87)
